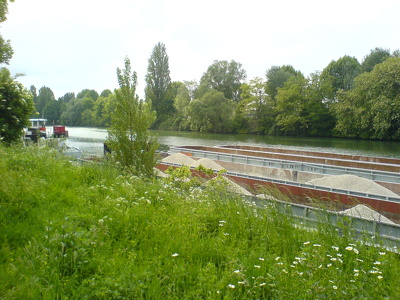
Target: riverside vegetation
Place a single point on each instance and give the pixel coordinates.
(71, 231)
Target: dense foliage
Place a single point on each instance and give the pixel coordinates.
(85, 232)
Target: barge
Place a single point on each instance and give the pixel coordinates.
(289, 172)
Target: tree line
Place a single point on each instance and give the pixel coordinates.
(346, 99)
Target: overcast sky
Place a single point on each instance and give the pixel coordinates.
(70, 45)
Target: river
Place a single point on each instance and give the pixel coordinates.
(90, 141)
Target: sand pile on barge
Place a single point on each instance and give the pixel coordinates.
(179, 158)
(229, 185)
(353, 183)
(364, 212)
(207, 163)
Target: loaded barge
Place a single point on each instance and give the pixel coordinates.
(290, 172)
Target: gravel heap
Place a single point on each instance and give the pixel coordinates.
(207, 163)
(230, 185)
(160, 173)
(353, 183)
(179, 158)
(364, 212)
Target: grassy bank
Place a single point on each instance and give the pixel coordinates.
(72, 231)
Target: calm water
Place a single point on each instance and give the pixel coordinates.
(90, 141)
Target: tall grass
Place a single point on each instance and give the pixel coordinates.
(70, 231)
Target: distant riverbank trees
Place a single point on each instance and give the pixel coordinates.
(347, 98)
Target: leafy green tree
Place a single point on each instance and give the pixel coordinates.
(341, 73)
(128, 136)
(67, 97)
(86, 93)
(157, 83)
(16, 104)
(45, 96)
(276, 78)
(212, 113)
(376, 56)
(102, 110)
(105, 93)
(225, 77)
(253, 114)
(371, 109)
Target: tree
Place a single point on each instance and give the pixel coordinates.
(45, 96)
(276, 78)
(86, 93)
(341, 73)
(371, 109)
(225, 77)
(128, 135)
(376, 56)
(16, 104)
(212, 113)
(158, 80)
(254, 112)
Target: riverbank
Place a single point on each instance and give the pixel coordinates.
(76, 231)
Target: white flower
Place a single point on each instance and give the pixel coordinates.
(380, 277)
(335, 248)
(349, 248)
(317, 245)
(306, 243)
(231, 286)
(334, 287)
(377, 263)
(257, 266)
(175, 254)
(262, 284)
(382, 253)
(236, 271)
(261, 258)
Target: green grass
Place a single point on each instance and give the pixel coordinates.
(70, 231)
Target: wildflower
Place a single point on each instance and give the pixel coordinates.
(377, 263)
(334, 287)
(349, 248)
(328, 265)
(380, 277)
(241, 282)
(236, 271)
(231, 286)
(355, 251)
(262, 284)
(261, 258)
(284, 271)
(360, 260)
(277, 258)
(257, 266)
(175, 254)
(317, 245)
(335, 248)
(333, 259)
(226, 234)
(382, 253)
(101, 221)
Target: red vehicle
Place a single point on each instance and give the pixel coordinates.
(59, 131)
